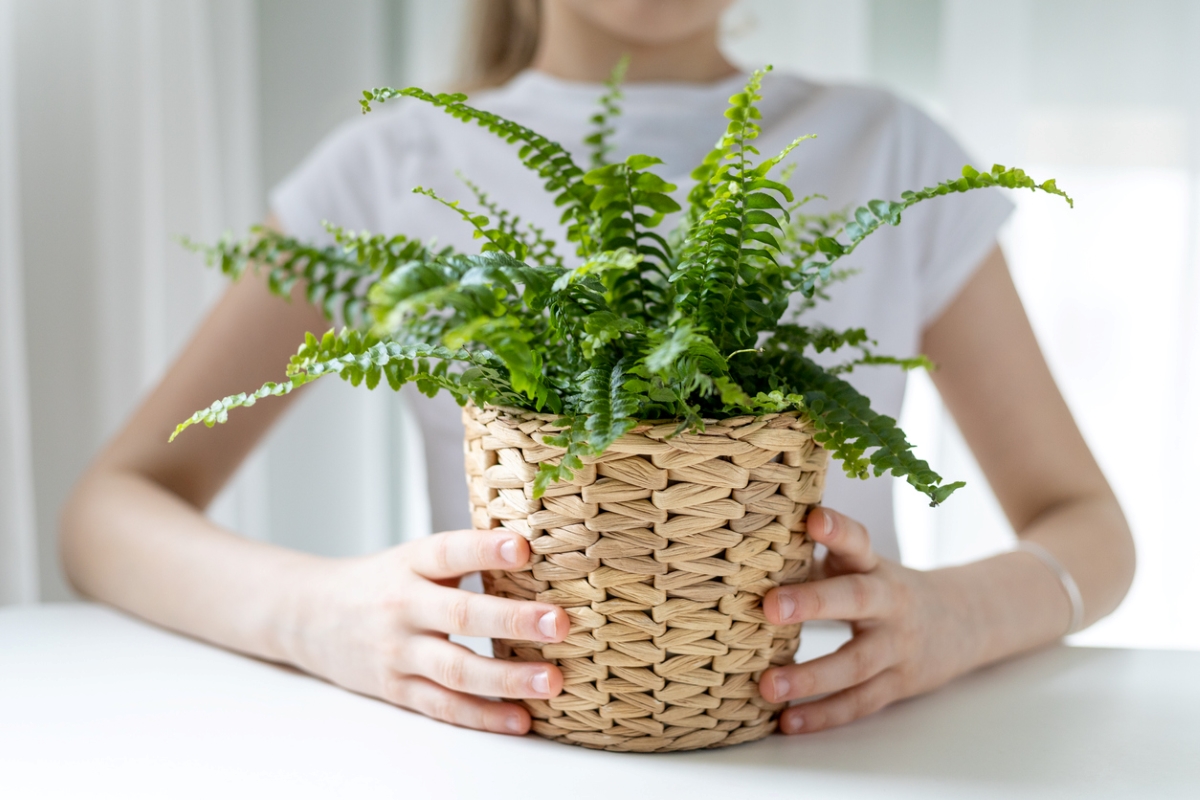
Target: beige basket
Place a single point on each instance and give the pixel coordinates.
(660, 551)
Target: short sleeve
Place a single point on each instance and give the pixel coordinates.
(957, 231)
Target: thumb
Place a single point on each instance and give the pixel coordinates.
(847, 541)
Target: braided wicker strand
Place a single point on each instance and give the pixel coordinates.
(660, 551)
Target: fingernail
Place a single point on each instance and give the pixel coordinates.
(780, 686)
(787, 607)
(548, 625)
(513, 723)
(540, 683)
(508, 551)
(791, 723)
(826, 524)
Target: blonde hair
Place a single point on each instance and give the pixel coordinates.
(501, 40)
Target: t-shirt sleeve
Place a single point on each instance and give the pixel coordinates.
(959, 230)
(335, 183)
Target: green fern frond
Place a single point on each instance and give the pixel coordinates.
(497, 238)
(610, 109)
(729, 279)
(361, 359)
(548, 159)
(218, 412)
(630, 201)
(574, 441)
(869, 218)
(863, 440)
(871, 359)
(335, 278)
(537, 246)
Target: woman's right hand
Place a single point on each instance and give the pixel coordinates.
(379, 625)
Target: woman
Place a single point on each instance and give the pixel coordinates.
(134, 534)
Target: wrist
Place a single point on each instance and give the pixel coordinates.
(1011, 602)
(1069, 586)
(302, 601)
(966, 615)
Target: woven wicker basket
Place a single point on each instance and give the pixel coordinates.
(660, 551)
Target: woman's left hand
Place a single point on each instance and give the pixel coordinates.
(912, 630)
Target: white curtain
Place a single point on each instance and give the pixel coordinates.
(175, 136)
(135, 120)
(18, 543)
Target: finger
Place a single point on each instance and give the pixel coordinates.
(455, 667)
(855, 662)
(456, 553)
(846, 706)
(426, 697)
(446, 610)
(846, 597)
(847, 540)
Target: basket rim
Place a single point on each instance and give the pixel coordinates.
(643, 424)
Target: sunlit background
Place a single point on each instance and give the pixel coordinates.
(126, 122)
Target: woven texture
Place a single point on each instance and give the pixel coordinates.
(660, 551)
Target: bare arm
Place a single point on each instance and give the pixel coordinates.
(133, 535)
(917, 630)
(993, 378)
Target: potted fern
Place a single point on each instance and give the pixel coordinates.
(642, 412)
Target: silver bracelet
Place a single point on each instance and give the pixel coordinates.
(1068, 583)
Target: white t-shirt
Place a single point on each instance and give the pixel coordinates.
(870, 145)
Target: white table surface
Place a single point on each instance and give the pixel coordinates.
(95, 704)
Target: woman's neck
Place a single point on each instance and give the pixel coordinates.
(573, 49)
